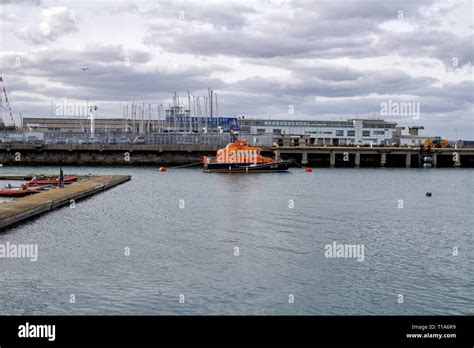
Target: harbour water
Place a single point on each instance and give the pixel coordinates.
(136, 248)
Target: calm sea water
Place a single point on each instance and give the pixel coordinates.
(182, 228)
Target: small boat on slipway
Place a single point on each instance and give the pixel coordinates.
(239, 157)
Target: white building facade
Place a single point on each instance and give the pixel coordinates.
(350, 132)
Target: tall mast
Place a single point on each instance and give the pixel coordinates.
(126, 119)
(210, 105)
(158, 118)
(149, 119)
(132, 116)
(92, 115)
(195, 113)
(142, 130)
(189, 114)
(174, 113)
(206, 106)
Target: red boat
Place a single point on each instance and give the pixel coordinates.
(14, 192)
(20, 191)
(67, 180)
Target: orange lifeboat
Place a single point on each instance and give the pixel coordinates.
(238, 157)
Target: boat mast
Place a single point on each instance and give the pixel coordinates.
(206, 110)
(189, 114)
(149, 119)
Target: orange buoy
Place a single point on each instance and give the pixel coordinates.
(162, 169)
(308, 170)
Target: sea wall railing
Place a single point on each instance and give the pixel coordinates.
(114, 138)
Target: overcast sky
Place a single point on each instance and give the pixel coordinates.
(268, 58)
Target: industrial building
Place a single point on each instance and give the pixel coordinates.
(257, 131)
(102, 125)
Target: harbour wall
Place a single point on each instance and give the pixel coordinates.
(133, 154)
(101, 154)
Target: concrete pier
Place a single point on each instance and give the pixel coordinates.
(365, 156)
(332, 159)
(383, 159)
(25, 208)
(408, 160)
(277, 154)
(434, 160)
(456, 159)
(304, 158)
(357, 159)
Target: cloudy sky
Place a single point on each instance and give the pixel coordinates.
(264, 58)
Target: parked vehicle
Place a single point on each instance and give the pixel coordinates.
(112, 141)
(123, 140)
(31, 139)
(13, 138)
(59, 141)
(139, 140)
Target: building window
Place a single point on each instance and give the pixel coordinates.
(260, 130)
(351, 133)
(366, 133)
(277, 131)
(378, 132)
(339, 132)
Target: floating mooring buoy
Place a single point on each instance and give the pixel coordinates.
(308, 170)
(162, 169)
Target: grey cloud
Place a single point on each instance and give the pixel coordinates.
(93, 55)
(318, 30)
(22, 2)
(221, 14)
(54, 22)
(309, 83)
(108, 77)
(433, 44)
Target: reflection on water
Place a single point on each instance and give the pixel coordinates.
(182, 228)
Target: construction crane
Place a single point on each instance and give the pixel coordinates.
(6, 100)
(436, 142)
